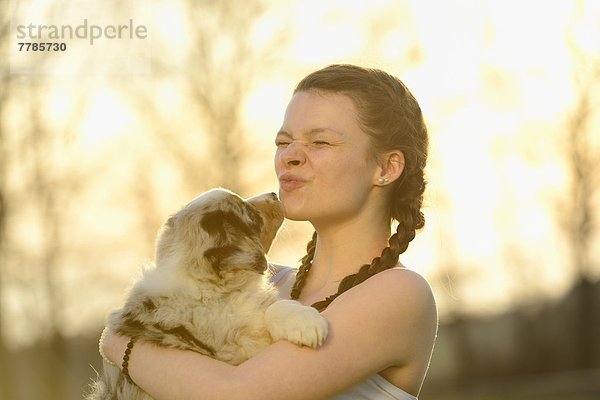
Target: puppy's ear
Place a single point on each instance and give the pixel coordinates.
(212, 223)
(223, 224)
(218, 256)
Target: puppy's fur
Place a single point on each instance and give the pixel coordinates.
(209, 292)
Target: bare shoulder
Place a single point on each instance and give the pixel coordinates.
(396, 294)
(399, 286)
(396, 303)
(404, 284)
(409, 292)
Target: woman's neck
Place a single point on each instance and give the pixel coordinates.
(343, 248)
(341, 252)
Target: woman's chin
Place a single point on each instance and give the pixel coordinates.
(295, 216)
(294, 213)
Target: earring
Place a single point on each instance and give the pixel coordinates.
(382, 180)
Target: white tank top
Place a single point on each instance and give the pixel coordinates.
(374, 388)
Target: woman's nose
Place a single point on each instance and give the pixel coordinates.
(293, 155)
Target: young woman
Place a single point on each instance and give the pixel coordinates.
(350, 159)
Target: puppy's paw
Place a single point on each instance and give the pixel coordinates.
(299, 324)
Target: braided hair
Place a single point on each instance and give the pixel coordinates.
(391, 116)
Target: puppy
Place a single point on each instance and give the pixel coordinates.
(209, 292)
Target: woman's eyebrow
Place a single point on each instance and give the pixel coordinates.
(283, 133)
(315, 131)
(311, 132)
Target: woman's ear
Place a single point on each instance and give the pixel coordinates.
(391, 165)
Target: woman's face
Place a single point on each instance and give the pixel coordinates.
(325, 168)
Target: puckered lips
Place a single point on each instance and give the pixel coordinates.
(290, 182)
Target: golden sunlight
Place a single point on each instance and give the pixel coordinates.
(107, 117)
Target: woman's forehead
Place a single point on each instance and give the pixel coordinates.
(315, 112)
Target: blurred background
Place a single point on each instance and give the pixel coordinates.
(101, 142)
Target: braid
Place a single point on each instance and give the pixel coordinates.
(306, 264)
(411, 220)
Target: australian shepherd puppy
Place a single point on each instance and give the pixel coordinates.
(208, 291)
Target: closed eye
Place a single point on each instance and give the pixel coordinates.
(282, 143)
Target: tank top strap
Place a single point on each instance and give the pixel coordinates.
(283, 278)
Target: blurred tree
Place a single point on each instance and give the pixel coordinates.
(216, 73)
(41, 203)
(35, 192)
(211, 71)
(5, 83)
(578, 213)
(48, 191)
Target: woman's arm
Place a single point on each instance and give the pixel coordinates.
(169, 373)
(388, 321)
